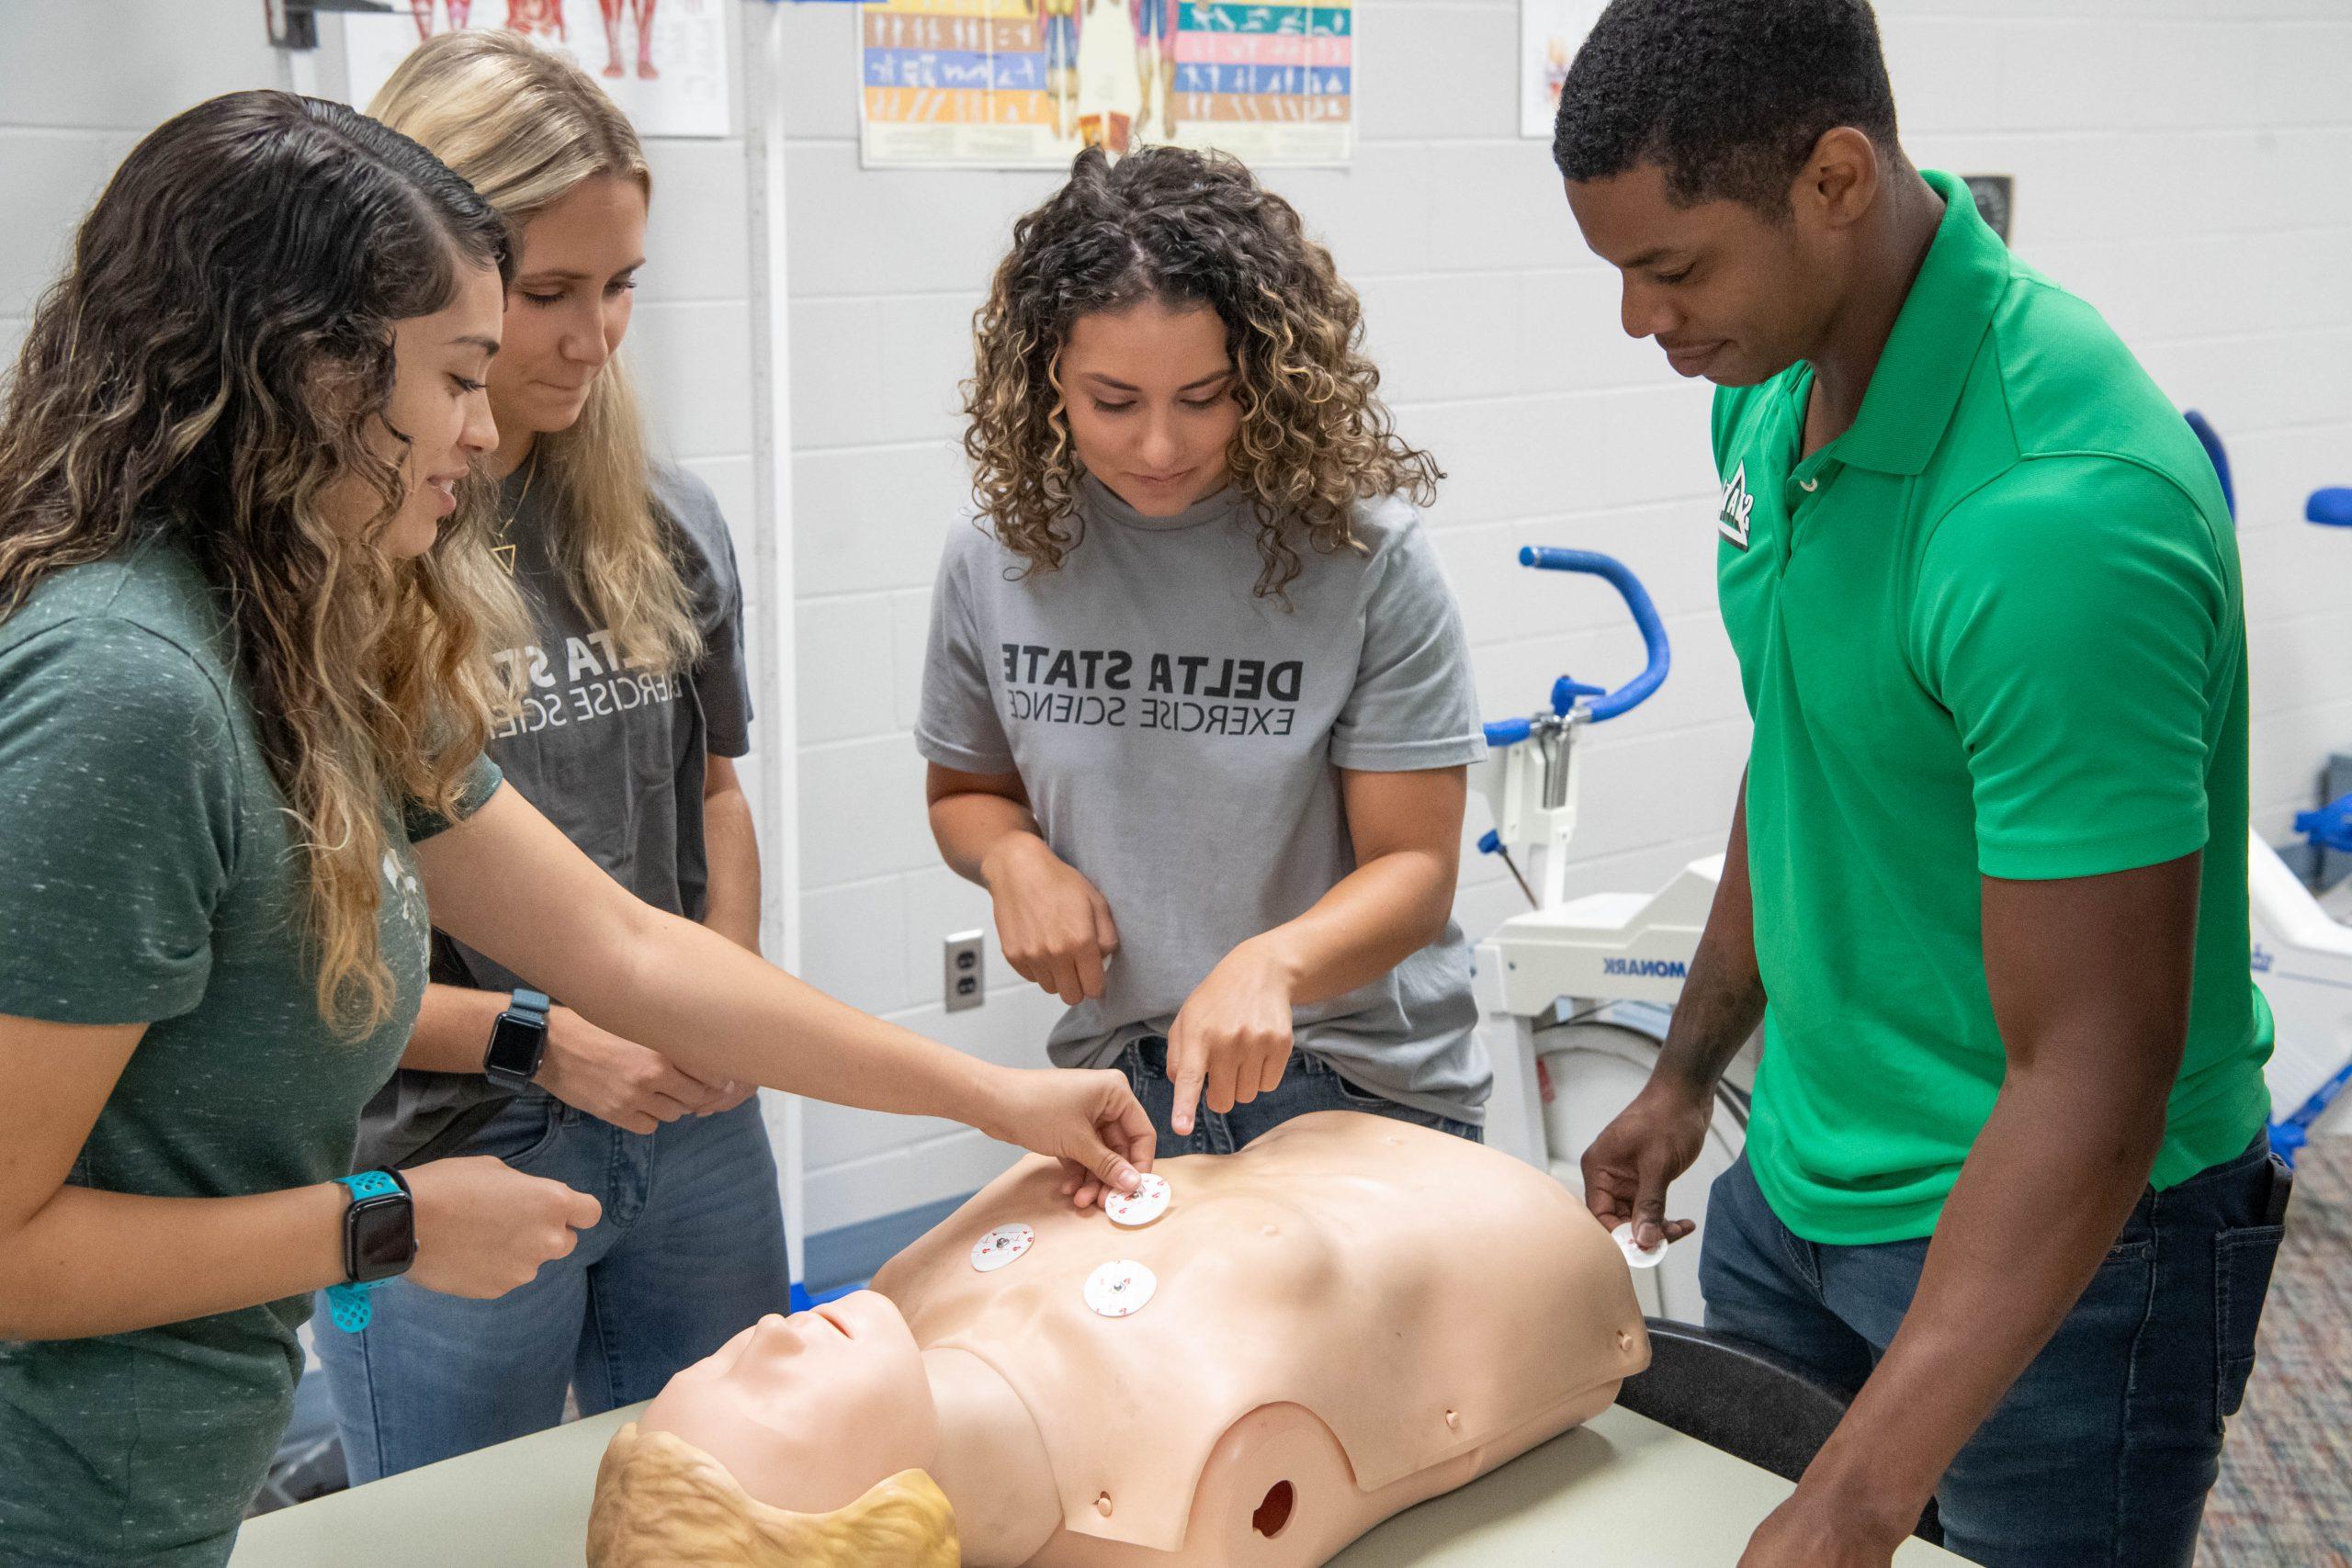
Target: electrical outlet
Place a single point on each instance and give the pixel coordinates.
(963, 983)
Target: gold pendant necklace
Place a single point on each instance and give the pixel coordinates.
(504, 548)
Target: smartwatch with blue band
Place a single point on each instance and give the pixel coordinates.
(519, 1041)
(378, 1244)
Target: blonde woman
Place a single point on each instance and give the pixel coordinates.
(244, 601)
(1198, 705)
(634, 708)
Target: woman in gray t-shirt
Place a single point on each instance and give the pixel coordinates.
(1198, 705)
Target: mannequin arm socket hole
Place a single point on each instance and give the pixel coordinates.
(1274, 1514)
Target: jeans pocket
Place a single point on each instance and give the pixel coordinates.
(2243, 1259)
(1315, 1066)
(521, 1131)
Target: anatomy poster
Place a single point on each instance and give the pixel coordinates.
(664, 61)
(1024, 83)
(1550, 33)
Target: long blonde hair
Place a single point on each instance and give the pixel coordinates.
(663, 1502)
(525, 129)
(208, 370)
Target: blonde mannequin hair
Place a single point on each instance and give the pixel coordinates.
(524, 129)
(663, 1502)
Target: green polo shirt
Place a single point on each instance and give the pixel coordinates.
(1993, 629)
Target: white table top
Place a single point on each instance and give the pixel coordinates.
(1622, 1491)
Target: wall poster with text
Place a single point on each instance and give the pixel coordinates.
(1025, 84)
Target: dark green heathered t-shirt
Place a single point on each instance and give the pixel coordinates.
(147, 877)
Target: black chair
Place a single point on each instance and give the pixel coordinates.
(1743, 1399)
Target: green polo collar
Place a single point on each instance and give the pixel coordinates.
(1917, 384)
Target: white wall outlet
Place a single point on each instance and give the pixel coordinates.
(964, 983)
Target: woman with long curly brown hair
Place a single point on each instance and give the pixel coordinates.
(1197, 695)
(637, 703)
(244, 601)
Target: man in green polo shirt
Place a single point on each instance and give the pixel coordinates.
(2006, 1174)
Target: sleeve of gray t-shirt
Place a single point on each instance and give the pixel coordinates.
(717, 591)
(1414, 705)
(957, 726)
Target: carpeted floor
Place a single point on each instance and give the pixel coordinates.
(2285, 1497)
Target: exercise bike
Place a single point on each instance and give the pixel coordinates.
(1575, 992)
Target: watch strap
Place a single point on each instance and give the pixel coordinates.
(526, 1009)
(347, 1304)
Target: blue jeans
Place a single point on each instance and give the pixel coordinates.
(1307, 1085)
(690, 1250)
(2103, 1450)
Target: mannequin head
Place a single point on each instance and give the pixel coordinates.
(807, 1411)
(663, 1502)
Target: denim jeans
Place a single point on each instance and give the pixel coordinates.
(2104, 1449)
(689, 1250)
(1308, 1083)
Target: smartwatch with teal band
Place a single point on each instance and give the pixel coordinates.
(378, 1244)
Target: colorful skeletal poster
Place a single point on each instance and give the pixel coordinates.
(1550, 33)
(1024, 83)
(664, 61)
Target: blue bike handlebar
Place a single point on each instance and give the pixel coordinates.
(1636, 692)
(1508, 732)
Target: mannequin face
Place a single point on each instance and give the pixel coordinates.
(808, 1411)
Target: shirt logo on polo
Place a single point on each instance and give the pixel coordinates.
(1732, 521)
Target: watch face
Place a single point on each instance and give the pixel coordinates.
(381, 1239)
(514, 1046)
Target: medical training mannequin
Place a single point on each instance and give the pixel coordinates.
(1348, 1317)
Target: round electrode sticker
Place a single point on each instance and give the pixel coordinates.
(1623, 1236)
(1146, 1203)
(1121, 1289)
(1000, 1247)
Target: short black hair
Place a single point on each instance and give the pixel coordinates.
(1728, 95)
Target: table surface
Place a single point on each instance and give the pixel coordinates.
(1622, 1489)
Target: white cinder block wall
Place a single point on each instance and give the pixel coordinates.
(2184, 164)
(2191, 174)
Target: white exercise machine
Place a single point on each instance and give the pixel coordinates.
(1575, 991)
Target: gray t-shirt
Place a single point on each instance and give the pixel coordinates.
(612, 754)
(1181, 741)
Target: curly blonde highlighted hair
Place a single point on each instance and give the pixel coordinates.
(209, 369)
(663, 1502)
(1187, 229)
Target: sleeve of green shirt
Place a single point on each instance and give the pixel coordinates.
(481, 781)
(118, 786)
(2071, 616)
